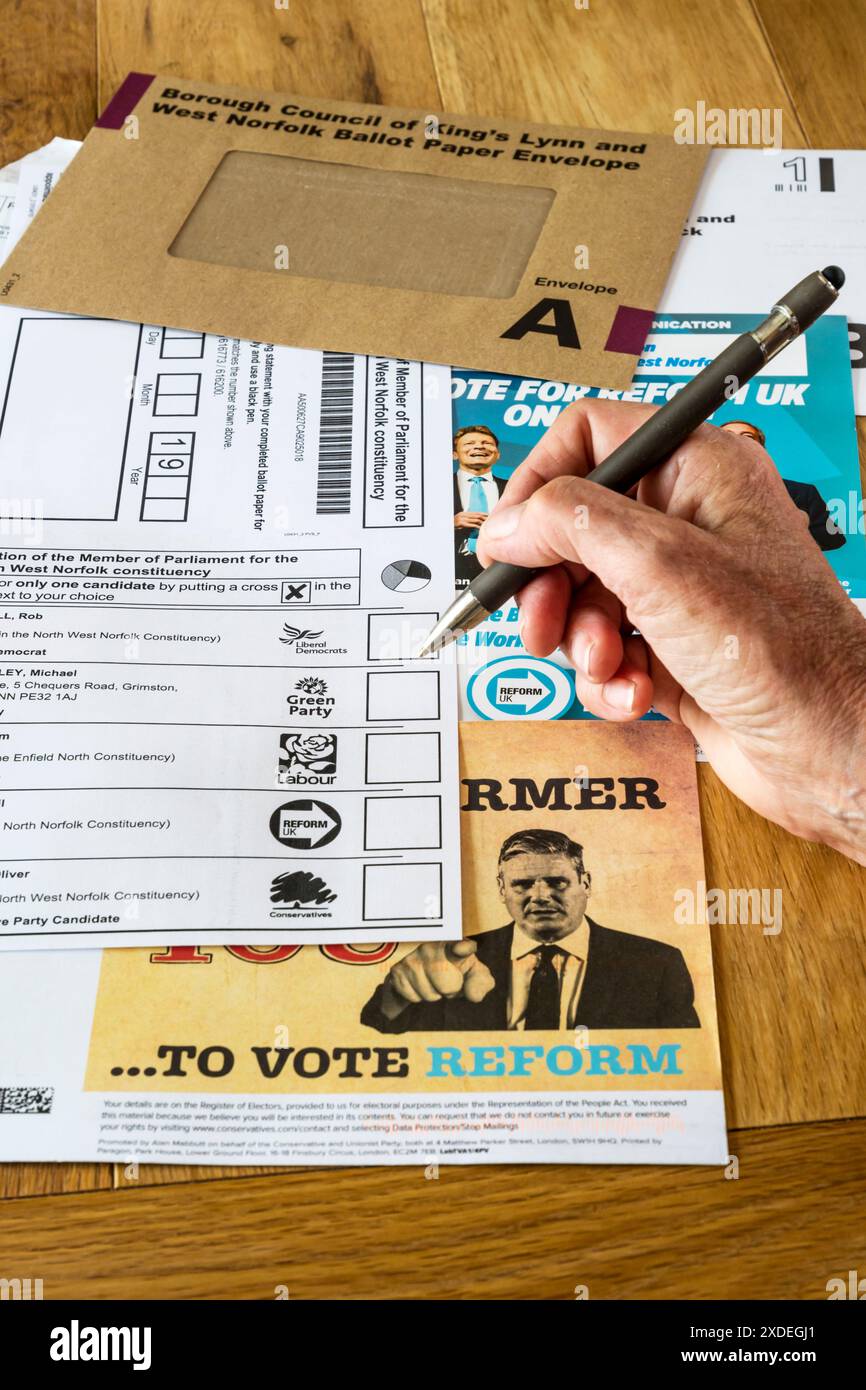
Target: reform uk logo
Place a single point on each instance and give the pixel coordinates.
(305, 824)
(520, 688)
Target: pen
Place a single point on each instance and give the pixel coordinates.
(657, 438)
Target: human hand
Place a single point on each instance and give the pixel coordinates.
(746, 635)
(469, 520)
(436, 970)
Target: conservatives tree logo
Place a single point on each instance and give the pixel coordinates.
(299, 888)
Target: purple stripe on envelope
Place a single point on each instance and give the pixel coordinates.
(127, 96)
(629, 329)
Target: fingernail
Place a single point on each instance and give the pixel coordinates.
(502, 522)
(619, 694)
(584, 650)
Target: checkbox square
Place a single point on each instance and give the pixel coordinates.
(180, 383)
(163, 509)
(402, 695)
(402, 758)
(402, 822)
(397, 636)
(167, 404)
(157, 485)
(402, 893)
(178, 343)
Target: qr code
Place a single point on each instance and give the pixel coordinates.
(26, 1100)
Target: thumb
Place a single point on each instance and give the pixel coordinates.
(477, 981)
(461, 953)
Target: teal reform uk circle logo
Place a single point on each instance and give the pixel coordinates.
(520, 688)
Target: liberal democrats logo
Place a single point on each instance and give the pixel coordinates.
(301, 635)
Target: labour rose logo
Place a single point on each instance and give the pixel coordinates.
(313, 752)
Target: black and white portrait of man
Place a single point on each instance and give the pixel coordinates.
(550, 967)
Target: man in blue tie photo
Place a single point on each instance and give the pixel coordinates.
(822, 528)
(476, 492)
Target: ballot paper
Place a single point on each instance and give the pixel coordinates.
(762, 220)
(56, 154)
(282, 1054)
(7, 207)
(216, 560)
(801, 402)
(26, 185)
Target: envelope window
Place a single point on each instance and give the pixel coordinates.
(352, 224)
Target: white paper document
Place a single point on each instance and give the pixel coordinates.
(761, 221)
(216, 558)
(8, 190)
(26, 184)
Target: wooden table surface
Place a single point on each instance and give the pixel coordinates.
(791, 1005)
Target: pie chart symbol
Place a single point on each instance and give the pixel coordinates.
(403, 576)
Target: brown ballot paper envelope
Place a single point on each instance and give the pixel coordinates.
(471, 240)
(576, 1023)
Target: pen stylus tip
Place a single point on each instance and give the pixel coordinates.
(434, 643)
(835, 275)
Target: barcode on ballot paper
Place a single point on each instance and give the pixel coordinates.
(334, 490)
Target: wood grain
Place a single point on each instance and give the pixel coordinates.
(620, 63)
(158, 1174)
(357, 51)
(791, 1221)
(47, 73)
(47, 1179)
(820, 52)
(790, 1005)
